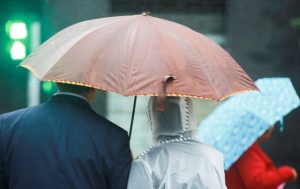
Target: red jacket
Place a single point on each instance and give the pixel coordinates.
(255, 170)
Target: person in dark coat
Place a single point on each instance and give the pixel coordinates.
(63, 144)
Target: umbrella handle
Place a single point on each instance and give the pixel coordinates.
(132, 117)
(162, 93)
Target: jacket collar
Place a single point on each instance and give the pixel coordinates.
(70, 99)
(71, 94)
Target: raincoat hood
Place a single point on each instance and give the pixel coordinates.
(175, 121)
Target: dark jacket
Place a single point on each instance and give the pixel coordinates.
(62, 144)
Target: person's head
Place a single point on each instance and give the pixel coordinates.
(86, 92)
(175, 121)
(266, 136)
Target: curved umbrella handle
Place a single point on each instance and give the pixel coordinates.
(162, 93)
(160, 100)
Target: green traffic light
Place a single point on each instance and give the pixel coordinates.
(17, 30)
(295, 22)
(48, 87)
(18, 51)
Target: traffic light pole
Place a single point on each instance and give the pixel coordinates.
(33, 85)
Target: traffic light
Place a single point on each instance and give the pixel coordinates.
(18, 32)
(48, 87)
(295, 22)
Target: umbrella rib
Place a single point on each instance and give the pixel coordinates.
(129, 63)
(207, 65)
(160, 39)
(82, 38)
(196, 47)
(108, 41)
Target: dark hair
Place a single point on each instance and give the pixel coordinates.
(65, 87)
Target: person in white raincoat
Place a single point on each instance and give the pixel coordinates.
(177, 160)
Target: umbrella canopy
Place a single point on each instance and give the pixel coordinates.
(236, 124)
(132, 55)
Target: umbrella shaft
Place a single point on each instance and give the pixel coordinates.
(132, 117)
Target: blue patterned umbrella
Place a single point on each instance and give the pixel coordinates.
(235, 125)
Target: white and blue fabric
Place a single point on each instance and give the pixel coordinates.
(235, 125)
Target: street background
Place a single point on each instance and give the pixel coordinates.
(263, 36)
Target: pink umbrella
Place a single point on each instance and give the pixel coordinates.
(137, 55)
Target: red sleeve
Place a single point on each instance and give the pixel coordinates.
(286, 173)
(255, 173)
